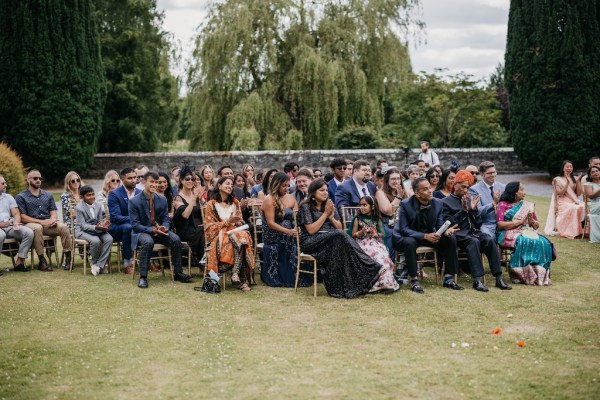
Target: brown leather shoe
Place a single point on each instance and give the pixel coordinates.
(43, 265)
(154, 268)
(128, 270)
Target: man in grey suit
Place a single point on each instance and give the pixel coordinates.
(92, 225)
(489, 191)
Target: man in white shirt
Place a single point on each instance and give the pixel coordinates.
(11, 227)
(489, 191)
(429, 156)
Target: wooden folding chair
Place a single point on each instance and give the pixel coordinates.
(348, 214)
(586, 217)
(160, 249)
(207, 248)
(257, 222)
(421, 263)
(77, 244)
(10, 248)
(304, 257)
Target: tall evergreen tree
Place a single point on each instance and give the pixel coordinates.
(553, 80)
(52, 87)
(142, 100)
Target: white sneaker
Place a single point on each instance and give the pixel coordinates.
(95, 269)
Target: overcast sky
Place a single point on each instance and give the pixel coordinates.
(461, 35)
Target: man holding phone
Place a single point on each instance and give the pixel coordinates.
(149, 215)
(38, 212)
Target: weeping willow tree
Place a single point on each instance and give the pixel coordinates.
(283, 74)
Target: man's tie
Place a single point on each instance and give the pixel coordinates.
(492, 191)
(364, 190)
(152, 220)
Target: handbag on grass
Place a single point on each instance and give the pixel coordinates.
(209, 286)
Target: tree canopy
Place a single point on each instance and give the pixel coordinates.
(142, 101)
(553, 80)
(52, 87)
(280, 74)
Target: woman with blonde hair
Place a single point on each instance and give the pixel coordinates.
(111, 182)
(70, 197)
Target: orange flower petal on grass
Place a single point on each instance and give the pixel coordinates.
(497, 331)
(521, 344)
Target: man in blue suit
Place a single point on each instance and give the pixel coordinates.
(118, 208)
(150, 219)
(420, 217)
(489, 191)
(349, 193)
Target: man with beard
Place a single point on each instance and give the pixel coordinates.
(460, 208)
(349, 193)
(419, 219)
(120, 223)
(38, 212)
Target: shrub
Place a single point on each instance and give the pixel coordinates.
(11, 168)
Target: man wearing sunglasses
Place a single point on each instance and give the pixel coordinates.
(38, 212)
(139, 179)
(11, 227)
(338, 168)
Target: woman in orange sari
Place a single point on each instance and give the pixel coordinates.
(229, 250)
(566, 211)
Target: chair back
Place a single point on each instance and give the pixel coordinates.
(257, 222)
(395, 215)
(348, 214)
(586, 215)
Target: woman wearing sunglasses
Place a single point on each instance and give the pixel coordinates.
(111, 182)
(70, 197)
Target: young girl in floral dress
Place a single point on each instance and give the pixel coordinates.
(367, 228)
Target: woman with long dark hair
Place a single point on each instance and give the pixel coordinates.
(188, 216)
(229, 249)
(280, 255)
(346, 269)
(164, 188)
(566, 211)
(444, 188)
(517, 225)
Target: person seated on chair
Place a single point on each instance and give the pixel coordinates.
(91, 225)
(11, 227)
(188, 217)
(120, 223)
(338, 169)
(231, 250)
(303, 179)
(489, 191)
(460, 208)
(420, 217)
(349, 193)
(38, 211)
(150, 219)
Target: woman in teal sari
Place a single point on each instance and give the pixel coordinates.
(517, 225)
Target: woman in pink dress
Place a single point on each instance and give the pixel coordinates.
(566, 211)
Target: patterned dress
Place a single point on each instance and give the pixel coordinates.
(280, 255)
(377, 250)
(530, 261)
(346, 269)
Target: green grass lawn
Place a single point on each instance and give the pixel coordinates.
(69, 336)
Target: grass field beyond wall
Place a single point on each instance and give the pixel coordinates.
(69, 336)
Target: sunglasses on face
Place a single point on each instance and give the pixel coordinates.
(140, 177)
(189, 178)
(115, 180)
(474, 173)
(37, 178)
(77, 180)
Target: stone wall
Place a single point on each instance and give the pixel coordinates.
(505, 159)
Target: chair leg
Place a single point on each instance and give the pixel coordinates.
(435, 263)
(162, 264)
(85, 259)
(315, 278)
(297, 277)
(133, 262)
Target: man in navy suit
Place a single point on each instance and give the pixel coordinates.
(149, 215)
(419, 219)
(489, 191)
(349, 193)
(118, 207)
(338, 167)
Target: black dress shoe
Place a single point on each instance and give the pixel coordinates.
(143, 284)
(415, 287)
(500, 284)
(43, 266)
(21, 268)
(453, 285)
(181, 277)
(477, 285)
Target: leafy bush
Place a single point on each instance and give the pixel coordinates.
(357, 137)
(11, 168)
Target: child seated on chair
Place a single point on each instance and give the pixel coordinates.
(92, 226)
